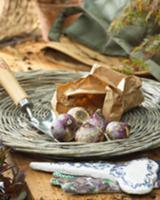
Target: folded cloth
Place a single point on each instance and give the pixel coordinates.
(133, 177)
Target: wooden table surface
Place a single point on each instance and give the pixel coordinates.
(39, 187)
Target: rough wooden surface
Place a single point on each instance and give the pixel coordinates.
(67, 55)
(40, 189)
(29, 55)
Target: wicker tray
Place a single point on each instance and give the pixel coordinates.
(17, 133)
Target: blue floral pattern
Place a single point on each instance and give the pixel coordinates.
(119, 171)
(134, 177)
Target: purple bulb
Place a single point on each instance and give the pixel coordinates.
(89, 133)
(98, 120)
(117, 130)
(64, 128)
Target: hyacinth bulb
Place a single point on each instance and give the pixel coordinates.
(117, 130)
(79, 114)
(98, 120)
(64, 128)
(89, 133)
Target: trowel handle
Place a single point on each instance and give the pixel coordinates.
(10, 84)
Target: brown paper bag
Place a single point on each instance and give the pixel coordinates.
(102, 88)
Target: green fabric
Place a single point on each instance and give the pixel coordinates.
(92, 29)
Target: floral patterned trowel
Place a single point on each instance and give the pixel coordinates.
(133, 177)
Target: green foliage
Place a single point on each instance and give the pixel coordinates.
(150, 46)
(138, 12)
(130, 66)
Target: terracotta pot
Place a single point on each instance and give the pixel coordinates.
(48, 10)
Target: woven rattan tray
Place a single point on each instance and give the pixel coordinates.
(17, 133)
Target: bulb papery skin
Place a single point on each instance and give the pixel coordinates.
(64, 128)
(117, 130)
(79, 114)
(98, 120)
(89, 133)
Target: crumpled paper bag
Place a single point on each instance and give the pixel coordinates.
(102, 88)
